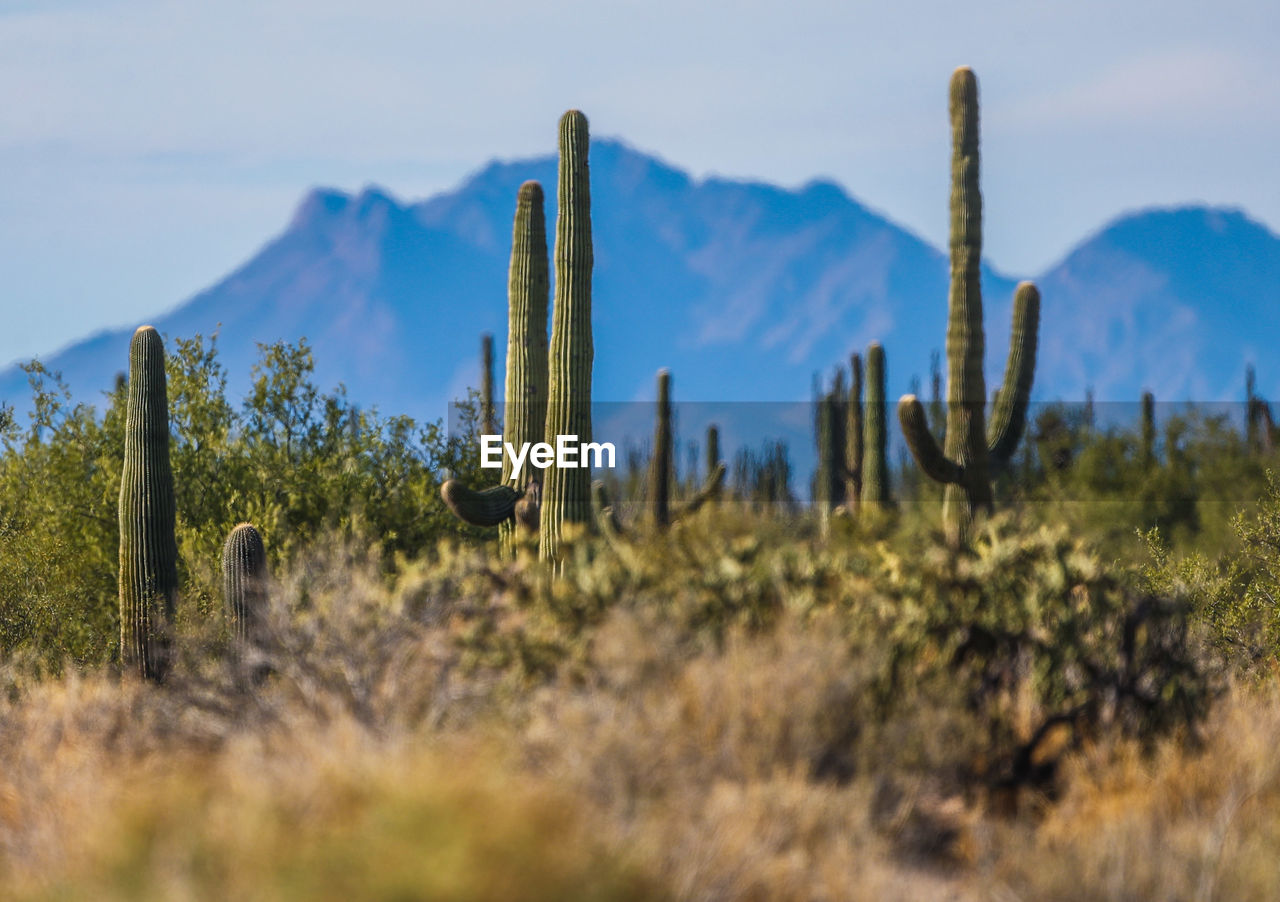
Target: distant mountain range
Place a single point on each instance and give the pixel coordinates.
(743, 289)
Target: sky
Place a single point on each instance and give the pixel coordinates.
(148, 147)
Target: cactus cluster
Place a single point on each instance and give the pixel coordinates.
(962, 465)
(548, 390)
(148, 546)
(148, 579)
(661, 472)
(853, 467)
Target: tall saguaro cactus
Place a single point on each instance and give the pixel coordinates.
(875, 465)
(566, 493)
(525, 411)
(148, 547)
(969, 443)
(244, 580)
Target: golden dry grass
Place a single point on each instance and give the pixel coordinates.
(465, 732)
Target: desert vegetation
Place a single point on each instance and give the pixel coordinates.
(280, 647)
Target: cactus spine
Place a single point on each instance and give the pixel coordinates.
(148, 547)
(566, 494)
(526, 377)
(244, 581)
(968, 445)
(875, 467)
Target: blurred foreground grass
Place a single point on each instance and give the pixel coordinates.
(733, 710)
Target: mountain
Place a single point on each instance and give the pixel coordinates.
(744, 289)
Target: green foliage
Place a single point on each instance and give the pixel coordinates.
(299, 462)
(1029, 633)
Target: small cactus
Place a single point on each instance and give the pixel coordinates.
(660, 472)
(244, 581)
(660, 464)
(713, 448)
(963, 467)
(148, 546)
(488, 413)
(855, 447)
(1148, 429)
(875, 466)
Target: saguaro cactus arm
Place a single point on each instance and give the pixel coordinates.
(710, 489)
(925, 450)
(1009, 418)
(487, 507)
(606, 516)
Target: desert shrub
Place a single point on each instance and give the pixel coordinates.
(1173, 824)
(299, 462)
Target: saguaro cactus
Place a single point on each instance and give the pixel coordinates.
(244, 580)
(660, 464)
(875, 466)
(713, 449)
(664, 513)
(963, 465)
(148, 547)
(566, 493)
(855, 448)
(526, 378)
(488, 414)
(1148, 428)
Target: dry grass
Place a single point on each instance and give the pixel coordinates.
(1180, 824)
(465, 732)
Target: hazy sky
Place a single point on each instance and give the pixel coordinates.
(149, 146)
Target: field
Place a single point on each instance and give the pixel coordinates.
(757, 703)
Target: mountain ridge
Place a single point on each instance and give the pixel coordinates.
(743, 288)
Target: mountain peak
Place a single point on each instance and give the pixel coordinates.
(743, 288)
(319, 204)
